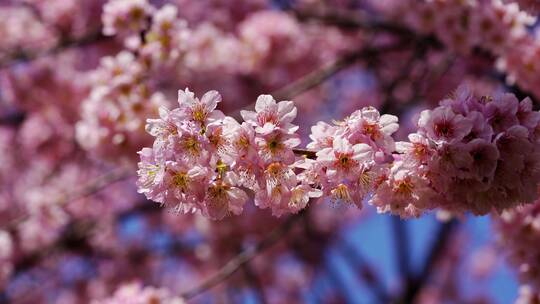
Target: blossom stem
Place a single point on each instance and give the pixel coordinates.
(65, 43)
(306, 153)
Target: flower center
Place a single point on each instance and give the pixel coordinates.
(341, 193)
(404, 187)
(372, 130)
(199, 113)
(191, 144)
(218, 191)
(267, 117)
(444, 129)
(274, 145)
(181, 180)
(419, 150)
(345, 162)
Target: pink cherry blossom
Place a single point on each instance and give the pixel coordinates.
(223, 197)
(322, 136)
(136, 293)
(202, 111)
(404, 192)
(270, 115)
(125, 16)
(443, 125)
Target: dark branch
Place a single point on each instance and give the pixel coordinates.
(401, 242)
(65, 43)
(320, 75)
(367, 273)
(439, 245)
(245, 256)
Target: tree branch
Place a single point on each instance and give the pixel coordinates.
(367, 273)
(65, 43)
(401, 242)
(320, 75)
(245, 256)
(438, 247)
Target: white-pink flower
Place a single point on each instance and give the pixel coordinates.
(344, 160)
(223, 197)
(269, 116)
(277, 146)
(368, 126)
(202, 111)
(444, 125)
(125, 16)
(485, 156)
(404, 192)
(322, 136)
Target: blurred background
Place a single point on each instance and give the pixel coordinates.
(78, 79)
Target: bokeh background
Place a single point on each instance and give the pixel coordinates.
(73, 228)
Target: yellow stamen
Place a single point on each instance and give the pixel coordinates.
(181, 180)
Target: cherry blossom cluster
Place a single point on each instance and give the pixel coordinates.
(522, 64)
(160, 35)
(136, 293)
(126, 16)
(352, 156)
(518, 231)
(158, 39)
(21, 29)
(115, 109)
(495, 26)
(464, 25)
(202, 159)
(471, 153)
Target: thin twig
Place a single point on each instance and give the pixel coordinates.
(359, 20)
(65, 43)
(242, 258)
(353, 21)
(253, 281)
(306, 153)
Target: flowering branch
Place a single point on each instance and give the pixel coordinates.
(517, 22)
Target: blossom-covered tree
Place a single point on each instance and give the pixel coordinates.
(224, 151)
